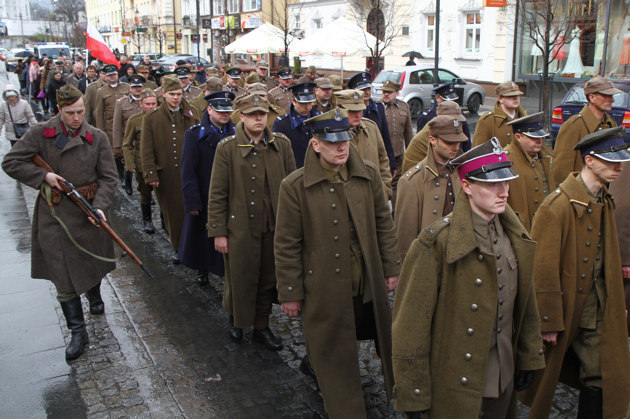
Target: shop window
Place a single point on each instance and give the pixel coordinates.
(472, 33)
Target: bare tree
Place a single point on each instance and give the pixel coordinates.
(281, 18)
(72, 14)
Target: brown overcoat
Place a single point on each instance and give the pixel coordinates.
(89, 100)
(313, 265)
(161, 150)
(105, 104)
(495, 124)
(124, 109)
(564, 269)
(53, 255)
(566, 160)
(446, 308)
(369, 142)
(235, 183)
(131, 143)
(282, 97)
(527, 191)
(619, 189)
(420, 200)
(399, 122)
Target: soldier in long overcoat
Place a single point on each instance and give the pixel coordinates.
(161, 149)
(495, 123)
(81, 154)
(281, 93)
(90, 96)
(317, 218)
(579, 287)
(622, 217)
(244, 188)
(466, 332)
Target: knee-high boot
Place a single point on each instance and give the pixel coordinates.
(590, 403)
(147, 220)
(96, 302)
(73, 312)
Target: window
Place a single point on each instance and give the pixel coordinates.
(317, 23)
(296, 19)
(430, 34)
(446, 76)
(233, 6)
(421, 77)
(250, 5)
(472, 33)
(218, 8)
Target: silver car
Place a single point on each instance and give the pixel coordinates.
(417, 83)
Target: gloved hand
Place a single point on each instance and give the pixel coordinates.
(524, 379)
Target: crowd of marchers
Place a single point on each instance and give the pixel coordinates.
(509, 260)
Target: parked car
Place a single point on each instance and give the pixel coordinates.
(575, 99)
(153, 56)
(417, 83)
(21, 54)
(168, 62)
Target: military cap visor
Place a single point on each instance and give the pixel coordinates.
(487, 162)
(332, 126)
(110, 70)
(136, 80)
(234, 73)
(615, 154)
(220, 101)
(606, 144)
(360, 81)
(303, 92)
(445, 91)
(284, 73)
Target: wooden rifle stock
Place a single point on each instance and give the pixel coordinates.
(72, 193)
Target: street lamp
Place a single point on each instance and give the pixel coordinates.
(136, 21)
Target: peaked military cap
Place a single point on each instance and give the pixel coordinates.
(485, 163)
(182, 72)
(390, 86)
(606, 144)
(284, 73)
(530, 125)
(450, 108)
(599, 84)
(250, 103)
(220, 101)
(303, 92)
(360, 81)
(508, 88)
(324, 83)
(136, 80)
(252, 77)
(262, 64)
(332, 126)
(58, 62)
(234, 73)
(110, 69)
(448, 128)
(445, 91)
(351, 100)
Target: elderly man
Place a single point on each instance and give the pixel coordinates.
(80, 154)
(340, 288)
(323, 93)
(281, 93)
(233, 81)
(77, 78)
(599, 93)
(246, 174)
(466, 334)
(495, 123)
(579, 286)
(292, 124)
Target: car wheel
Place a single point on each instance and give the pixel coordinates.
(415, 106)
(474, 102)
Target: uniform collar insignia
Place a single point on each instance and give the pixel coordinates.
(88, 137)
(49, 133)
(338, 116)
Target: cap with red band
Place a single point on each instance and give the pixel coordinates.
(485, 163)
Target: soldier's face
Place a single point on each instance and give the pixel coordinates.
(354, 118)
(302, 108)
(173, 98)
(487, 198)
(148, 103)
(323, 95)
(136, 90)
(443, 151)
(604, 171)
(511, 103)
(91, 73)
(72, 115)
(232, 82)
(284, 82)
(602, 102)
(389, 97)
(367, 94)
(112, 78)
(185, 81)
(531, 145)
(332, 155)
(218, 118)
(261, 71)
(254, 122)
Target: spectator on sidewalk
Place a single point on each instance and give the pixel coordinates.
(14, 110)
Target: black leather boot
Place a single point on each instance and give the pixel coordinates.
(128, 183)
(267, 338)
(202, 277)
(93, 295)
(149, 228)
(590, 403)
(307, 369)
(73, 312)
(120, 168)
(236, 333)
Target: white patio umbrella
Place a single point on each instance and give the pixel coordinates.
(265, 39)
(340, 38)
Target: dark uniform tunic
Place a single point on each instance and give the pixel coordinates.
(292, 125)
(200, 143)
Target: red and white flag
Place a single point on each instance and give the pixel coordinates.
(97, 46)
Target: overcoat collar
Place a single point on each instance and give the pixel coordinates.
(592, 123)
(314, 172)
(243, 143)
(545, 151)
(499, 113)
(431, 165)
(579, 197)
(53, 127)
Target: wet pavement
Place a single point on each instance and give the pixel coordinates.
(162, 348)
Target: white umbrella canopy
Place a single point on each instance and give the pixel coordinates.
(265, 39)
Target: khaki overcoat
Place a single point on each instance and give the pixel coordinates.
(125, 107)
(369, 142)
(235, 183)
(53, 255)
(417, 150)
(566, 160)
(313, 265)
(131, 143)
(420, 200)
(161, 151)
(446, 308)
(527, 191)
(89, 100)
(619, 189)
(199, 103)
(495, 124)
(567, 248)
(282, 97)
(105, 104)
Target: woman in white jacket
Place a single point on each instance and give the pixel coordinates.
(20, 112)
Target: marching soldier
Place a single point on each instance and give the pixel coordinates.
(466, 333)
(336, 204)
(274, 111)
(309, 76)
(337, 82)
(126, 106)
(90, 96)
(622, 217)
(594, 116)
(507, 108)
(531, 159)
(281, 93)
(292, 124)
(428, 190)
(323, 94)
(213, 84)
(105, 104)
(190, 90)
(262, 69)
(131, 152)
(80, 154)
(143, 70)
(160, 149)
(365, 135)
(246, 174)
(196, 250)
(233, 81)
(579, 286)
(442, 93)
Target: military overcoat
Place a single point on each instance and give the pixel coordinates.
(566, 159)
(527, 191)
(299, 133)
(161, 151)
(420, 200)
(567, 248)
(126, 106)
(131, 143)
(375, 112)
(368, 141)
(237, 181)
(105, 104)
(282, 97)
(495, 124)
(417, 150)
(89, 100)
(312, 247)
(85, 159)
(445, 312)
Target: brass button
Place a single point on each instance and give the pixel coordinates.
(336, 238)
(310, 272)
(333, 206)
(437, 184)
(337, 255)
(251, 203)
(335, 221)
(331, 190)
(500, 287)
(480, 256)
(434, 211)
(290, 288)
(589, 211)
(436, 197)
(501, 302)
(253, 177)
(337, 270)
(588, 244)
(498, 330)
(251, 215)
(583, 276)
(589, 228)
(585, 260)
